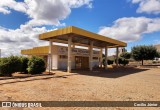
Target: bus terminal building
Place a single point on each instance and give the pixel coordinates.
(72, 56)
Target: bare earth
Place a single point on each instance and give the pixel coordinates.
(121, 84)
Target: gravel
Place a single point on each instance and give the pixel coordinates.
(121, 84)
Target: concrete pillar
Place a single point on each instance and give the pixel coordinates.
(50, 56)
(101, 58)
(91, 56)
(117, 52)
(106, 57)
(73, 46)
(69, 54)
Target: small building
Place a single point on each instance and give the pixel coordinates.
(71, 56)
(80, 57)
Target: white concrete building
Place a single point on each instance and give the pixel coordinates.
(74, 58)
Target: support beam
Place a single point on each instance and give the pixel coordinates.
(101, 58)
(69, 54)
(91, 56)
(117, 52)
(73, 45)
(106, 57)
(77, 44)
(50, 56)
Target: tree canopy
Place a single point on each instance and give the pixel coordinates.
(140, 53)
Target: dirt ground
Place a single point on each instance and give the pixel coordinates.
(120, 84)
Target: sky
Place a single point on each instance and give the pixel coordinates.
(136, 22)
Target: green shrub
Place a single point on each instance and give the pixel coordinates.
(36, 65)
(24, 64)
(125, 55)
(15, 63)
(109, 61)
(122, 61)
(4, 65)
(10, 65)
(125, 62)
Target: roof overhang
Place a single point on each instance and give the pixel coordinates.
(43, 50)
(81, 36)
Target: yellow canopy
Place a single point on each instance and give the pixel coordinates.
(80, 36)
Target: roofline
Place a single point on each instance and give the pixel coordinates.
(79, 31)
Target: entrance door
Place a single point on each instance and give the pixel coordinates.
(81, 62)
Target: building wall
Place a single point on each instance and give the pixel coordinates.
(59, 56)
(54, 61)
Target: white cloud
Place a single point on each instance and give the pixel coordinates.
(131, 29)
(4, 10)
(78, 3)
(43, 12)
(12, 41)
(46, 12)
(6, 5)
(50, 12)
(148, 6)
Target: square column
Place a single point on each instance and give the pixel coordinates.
(117, 52)
(101, 59)
(106, 57)
(50, 56)
(91, 56)
(73, 46)
(69, 54)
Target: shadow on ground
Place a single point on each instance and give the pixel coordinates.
(111, 72)
(22, 76)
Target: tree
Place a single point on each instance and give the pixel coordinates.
(140, 53)
(125, 55)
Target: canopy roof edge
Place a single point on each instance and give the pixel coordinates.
(80, 32)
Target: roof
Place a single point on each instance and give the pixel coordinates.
(80, 36)
(43, 50)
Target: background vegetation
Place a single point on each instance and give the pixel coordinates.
(12, 64)
(141, 53)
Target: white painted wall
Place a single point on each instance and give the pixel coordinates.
(58, 63)
(54, 61)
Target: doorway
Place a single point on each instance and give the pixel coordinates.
(81, 62)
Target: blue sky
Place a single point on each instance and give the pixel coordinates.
(136, 22)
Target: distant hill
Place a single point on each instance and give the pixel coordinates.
(158, 47)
